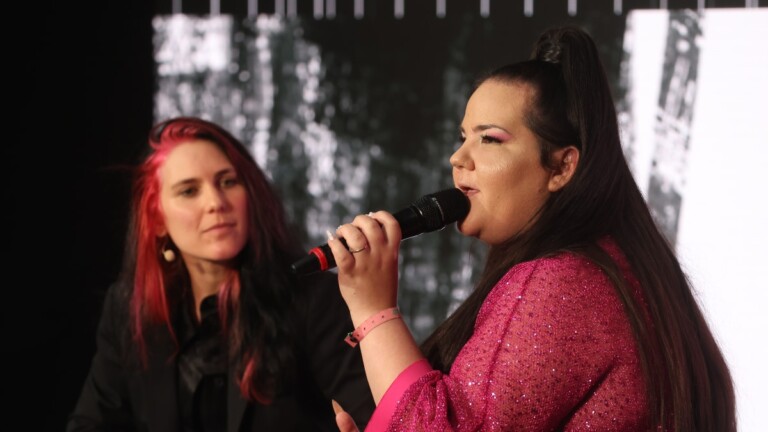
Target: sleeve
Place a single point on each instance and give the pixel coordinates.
(388, 403)
(543, 340)
(336, 367)
(103, 404)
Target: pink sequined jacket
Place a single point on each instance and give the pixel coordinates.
(552, 350)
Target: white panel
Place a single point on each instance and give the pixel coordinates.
(723, 229)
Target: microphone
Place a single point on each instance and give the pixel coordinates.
(429, 213)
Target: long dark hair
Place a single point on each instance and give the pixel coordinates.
(689, 384)
(253, 301)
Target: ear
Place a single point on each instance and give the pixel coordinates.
(160, 230)
(565, 161)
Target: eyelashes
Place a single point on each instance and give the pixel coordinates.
(489, 139)
(484, 138)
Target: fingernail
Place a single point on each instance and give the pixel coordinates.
(336, 407)
(328, 233)
(370, 214)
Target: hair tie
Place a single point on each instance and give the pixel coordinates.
(550, 53)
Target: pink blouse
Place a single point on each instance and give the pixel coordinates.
(552, 350)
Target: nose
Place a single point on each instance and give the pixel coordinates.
(461, 158)
(215, 200)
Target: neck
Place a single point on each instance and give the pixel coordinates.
(206, 278)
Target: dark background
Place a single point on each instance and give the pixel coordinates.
(83, 119)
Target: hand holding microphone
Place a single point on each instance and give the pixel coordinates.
(429, 213)
(368, 256)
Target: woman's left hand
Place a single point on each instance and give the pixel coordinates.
(368, 268)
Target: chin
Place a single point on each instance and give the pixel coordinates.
(224, 256)
(466, 230)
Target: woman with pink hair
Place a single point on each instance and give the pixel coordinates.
(207, 329)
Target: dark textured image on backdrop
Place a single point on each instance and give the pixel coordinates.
(347, 117)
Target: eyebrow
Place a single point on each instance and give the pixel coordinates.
(193, 180)
(483, 127)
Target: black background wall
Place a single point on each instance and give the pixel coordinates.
(84, 120)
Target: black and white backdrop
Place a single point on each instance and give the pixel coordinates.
(352, 106)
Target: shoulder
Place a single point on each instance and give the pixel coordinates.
(113, 334)
(562, 296)
(117, 300)
(566, 281)
(562, 267)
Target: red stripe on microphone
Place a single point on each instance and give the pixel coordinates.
(320, 257)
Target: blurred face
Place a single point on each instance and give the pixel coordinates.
(498, 165)
(204, 203)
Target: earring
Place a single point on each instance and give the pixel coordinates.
(169, 255)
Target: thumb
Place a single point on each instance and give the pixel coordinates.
(343, 420)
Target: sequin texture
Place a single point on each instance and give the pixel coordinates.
(552, 350)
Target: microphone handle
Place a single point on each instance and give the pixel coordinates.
(318, 259)
(321, 258)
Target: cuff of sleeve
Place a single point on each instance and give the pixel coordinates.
(386, 407)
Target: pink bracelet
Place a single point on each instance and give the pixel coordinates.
(353, 338)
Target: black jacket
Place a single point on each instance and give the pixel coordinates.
(118, 395)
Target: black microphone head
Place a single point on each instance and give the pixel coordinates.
(442, 208)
